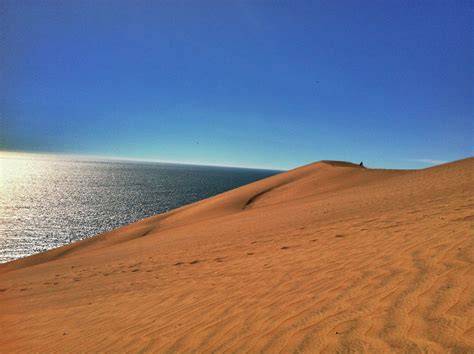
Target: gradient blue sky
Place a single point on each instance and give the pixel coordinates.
(272, 84)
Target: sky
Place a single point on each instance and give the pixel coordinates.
(270, 84)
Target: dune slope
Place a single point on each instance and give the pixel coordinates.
(327, 257)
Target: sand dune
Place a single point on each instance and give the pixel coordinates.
(324, 258)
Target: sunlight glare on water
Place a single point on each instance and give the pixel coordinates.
(49, 201)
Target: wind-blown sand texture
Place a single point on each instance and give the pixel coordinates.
(327, 257)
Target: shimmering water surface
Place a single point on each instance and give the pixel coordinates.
(49, 202)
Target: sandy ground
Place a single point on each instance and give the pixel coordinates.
(328, 257)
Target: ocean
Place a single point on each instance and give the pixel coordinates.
(48, 201)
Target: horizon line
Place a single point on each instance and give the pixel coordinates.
(107, 158)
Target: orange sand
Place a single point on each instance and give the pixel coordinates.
(327, 257)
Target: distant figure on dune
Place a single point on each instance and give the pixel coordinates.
(361, 164)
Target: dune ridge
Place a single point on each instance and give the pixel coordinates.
(327, 257)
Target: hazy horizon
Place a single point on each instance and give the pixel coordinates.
(105, 158)
(97, 158)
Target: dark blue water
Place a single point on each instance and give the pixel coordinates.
(49, 202)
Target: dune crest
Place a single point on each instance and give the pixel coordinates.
(323, 258)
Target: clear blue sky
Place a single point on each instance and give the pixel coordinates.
(272, 84)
